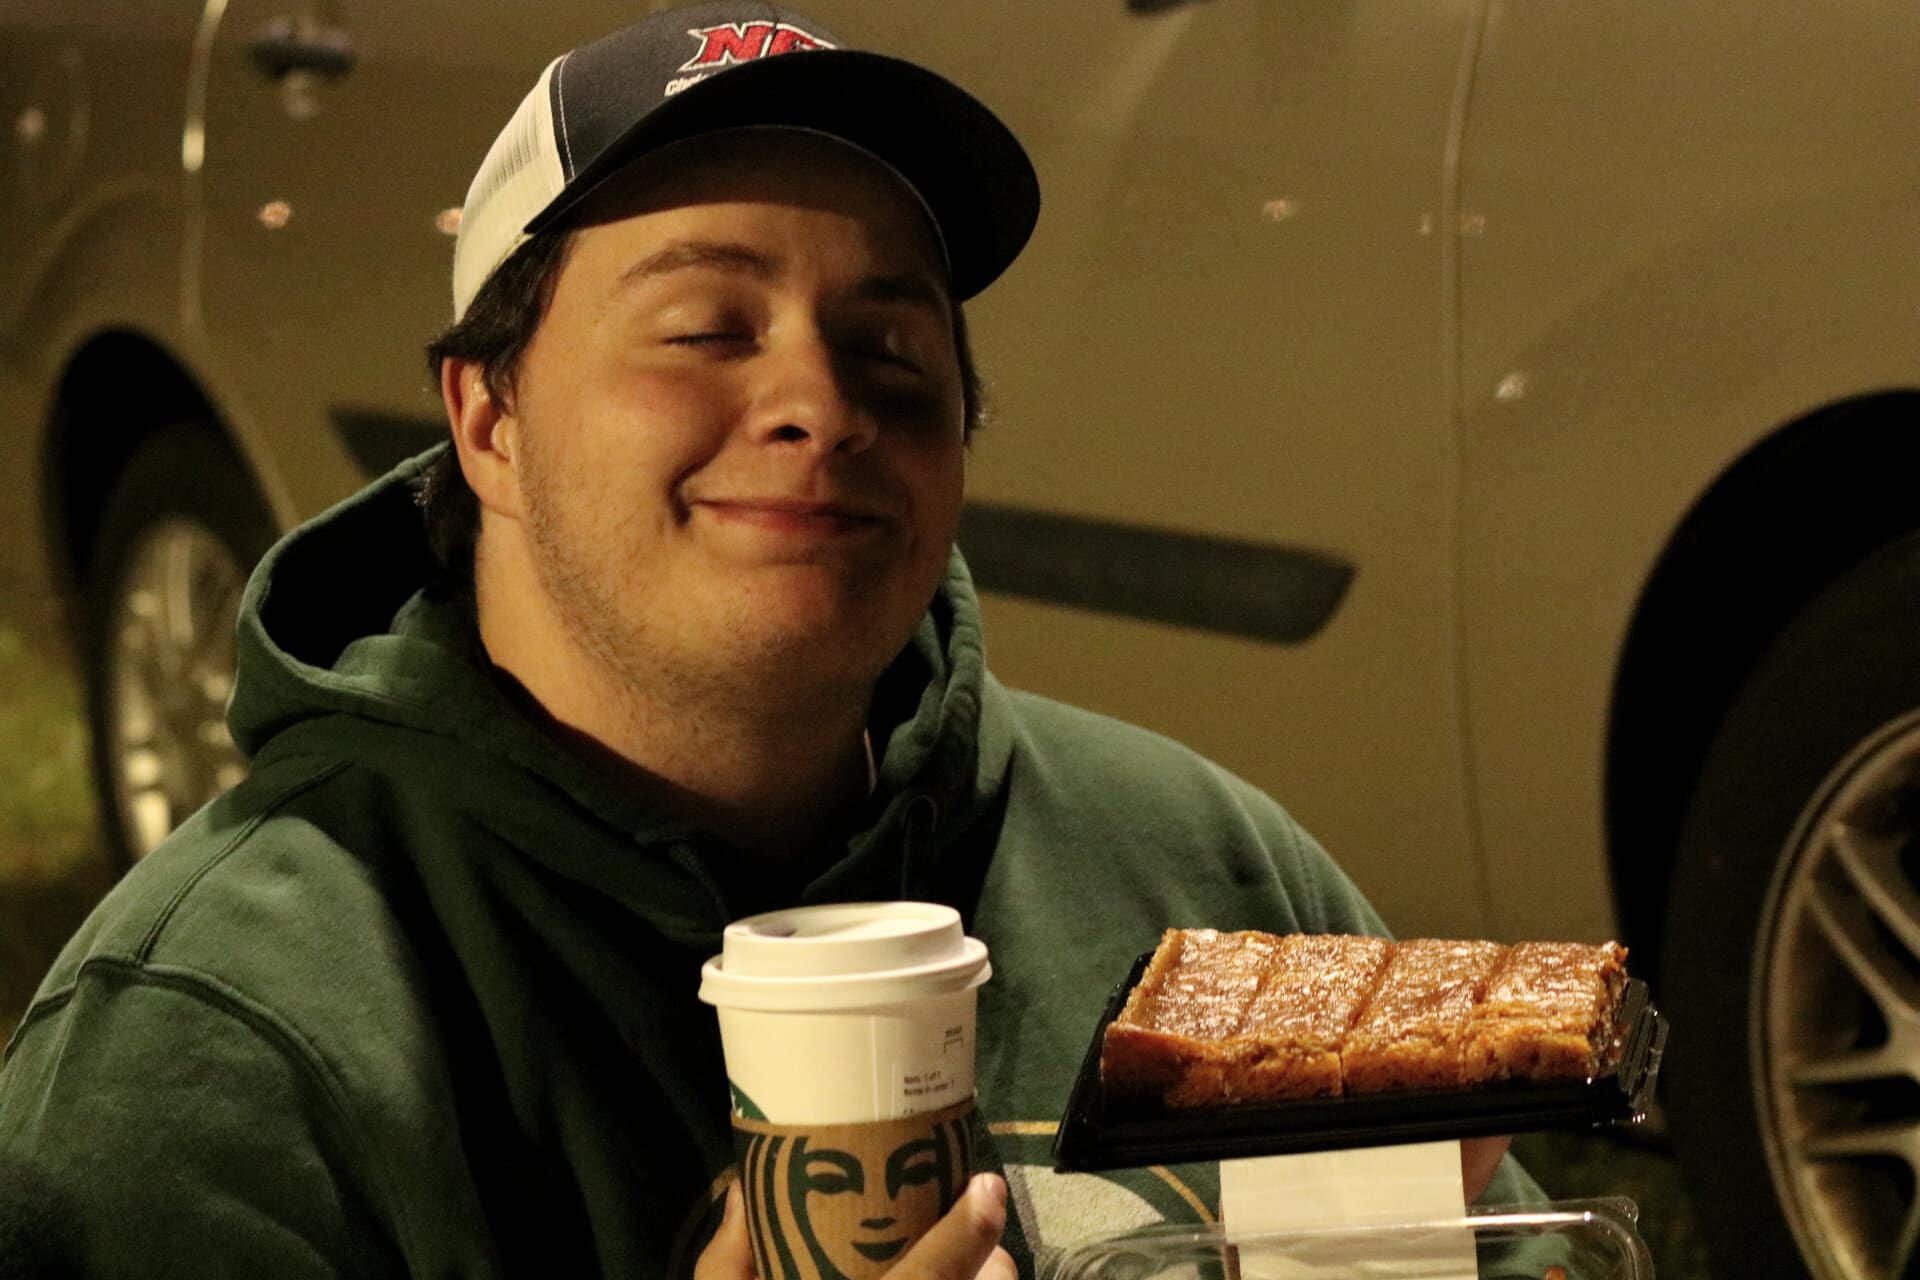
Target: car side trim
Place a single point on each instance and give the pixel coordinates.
(1278, 594)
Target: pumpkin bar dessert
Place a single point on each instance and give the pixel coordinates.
(1175, 1039)
(1240, 1017)
(1250, 1017)
(1548, 1013)
(1304, 1011)
(1413, 1030)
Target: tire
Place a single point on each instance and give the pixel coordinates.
(180, 531)
(1793, 945)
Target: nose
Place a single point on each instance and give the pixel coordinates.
(877, 1224)
(805, 401)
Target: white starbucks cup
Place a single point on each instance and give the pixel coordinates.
(848, 1032)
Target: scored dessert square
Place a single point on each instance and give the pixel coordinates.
(1313, 993)
(1558, 980)
(1205, 986)
(1176, 1036)
(1413, 1031)
(1549, 1013)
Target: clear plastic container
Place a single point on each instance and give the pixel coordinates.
(1562, 1240)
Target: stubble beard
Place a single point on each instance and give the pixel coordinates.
(640, 658)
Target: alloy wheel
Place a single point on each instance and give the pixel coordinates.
(1837, 1050)
(171, 663)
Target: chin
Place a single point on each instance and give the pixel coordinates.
(837, 644)
(829, 605)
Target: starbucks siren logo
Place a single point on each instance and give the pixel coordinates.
(843, 1202)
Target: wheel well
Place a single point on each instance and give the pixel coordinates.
(1801, 507)
(116, 391)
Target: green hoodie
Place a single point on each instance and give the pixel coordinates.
(418, 997)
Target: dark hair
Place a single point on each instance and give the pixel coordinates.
(497, 326)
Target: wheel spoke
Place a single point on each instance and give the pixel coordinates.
(142, 648)
(152, 818)
(1873, 866)
(134, 722)
(214, 649)
(1899, 1140)
(1904, 1243)
(1848, 1068)
(175, 581)
(141, 767)
(1888, 982)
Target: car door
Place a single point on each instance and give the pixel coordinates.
(339, 139)
(90, 98)
(1232, 326)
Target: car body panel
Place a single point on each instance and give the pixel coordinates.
(1230, 322)
(1712, 261)
(91, 217)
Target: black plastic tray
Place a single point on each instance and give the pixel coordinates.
(1094, 1134)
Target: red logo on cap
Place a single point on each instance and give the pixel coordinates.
(732, 42)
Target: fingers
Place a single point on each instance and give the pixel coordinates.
(966, 1243)
(963, 1245)
(1479, 1159)
(729, 1255)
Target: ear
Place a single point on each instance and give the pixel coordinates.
(486, 436)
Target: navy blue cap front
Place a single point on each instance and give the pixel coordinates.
(727, 65)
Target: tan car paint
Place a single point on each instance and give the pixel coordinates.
(1689, 225)
(1369, 278)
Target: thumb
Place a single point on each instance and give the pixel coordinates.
(729, 1255)
(966, 1241)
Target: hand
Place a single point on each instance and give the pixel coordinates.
(964, 1245)
(1479, 1157)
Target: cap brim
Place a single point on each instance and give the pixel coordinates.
(968, 167)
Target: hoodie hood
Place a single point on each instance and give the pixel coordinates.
(346, 647)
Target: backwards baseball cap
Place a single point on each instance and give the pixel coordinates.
(731, 64)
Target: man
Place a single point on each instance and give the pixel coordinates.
(683, 638)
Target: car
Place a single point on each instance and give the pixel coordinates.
(1488, 426)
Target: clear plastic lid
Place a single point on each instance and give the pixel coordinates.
(1562, 1240)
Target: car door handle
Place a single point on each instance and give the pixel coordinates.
(287, 45)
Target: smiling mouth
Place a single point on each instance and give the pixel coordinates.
(806, 519)
(882, 1251)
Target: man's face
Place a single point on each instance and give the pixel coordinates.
(739, 426)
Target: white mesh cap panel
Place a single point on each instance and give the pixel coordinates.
(521, 174)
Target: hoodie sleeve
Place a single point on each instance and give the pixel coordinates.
(149, 1128)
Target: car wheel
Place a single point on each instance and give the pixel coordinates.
(181, 529)
(1792, 961)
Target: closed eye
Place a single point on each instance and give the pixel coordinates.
(895, 361)
(881, 352)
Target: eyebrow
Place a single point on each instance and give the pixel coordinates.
(914, 288)
(717, 255)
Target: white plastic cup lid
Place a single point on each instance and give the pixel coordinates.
(843, 956)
